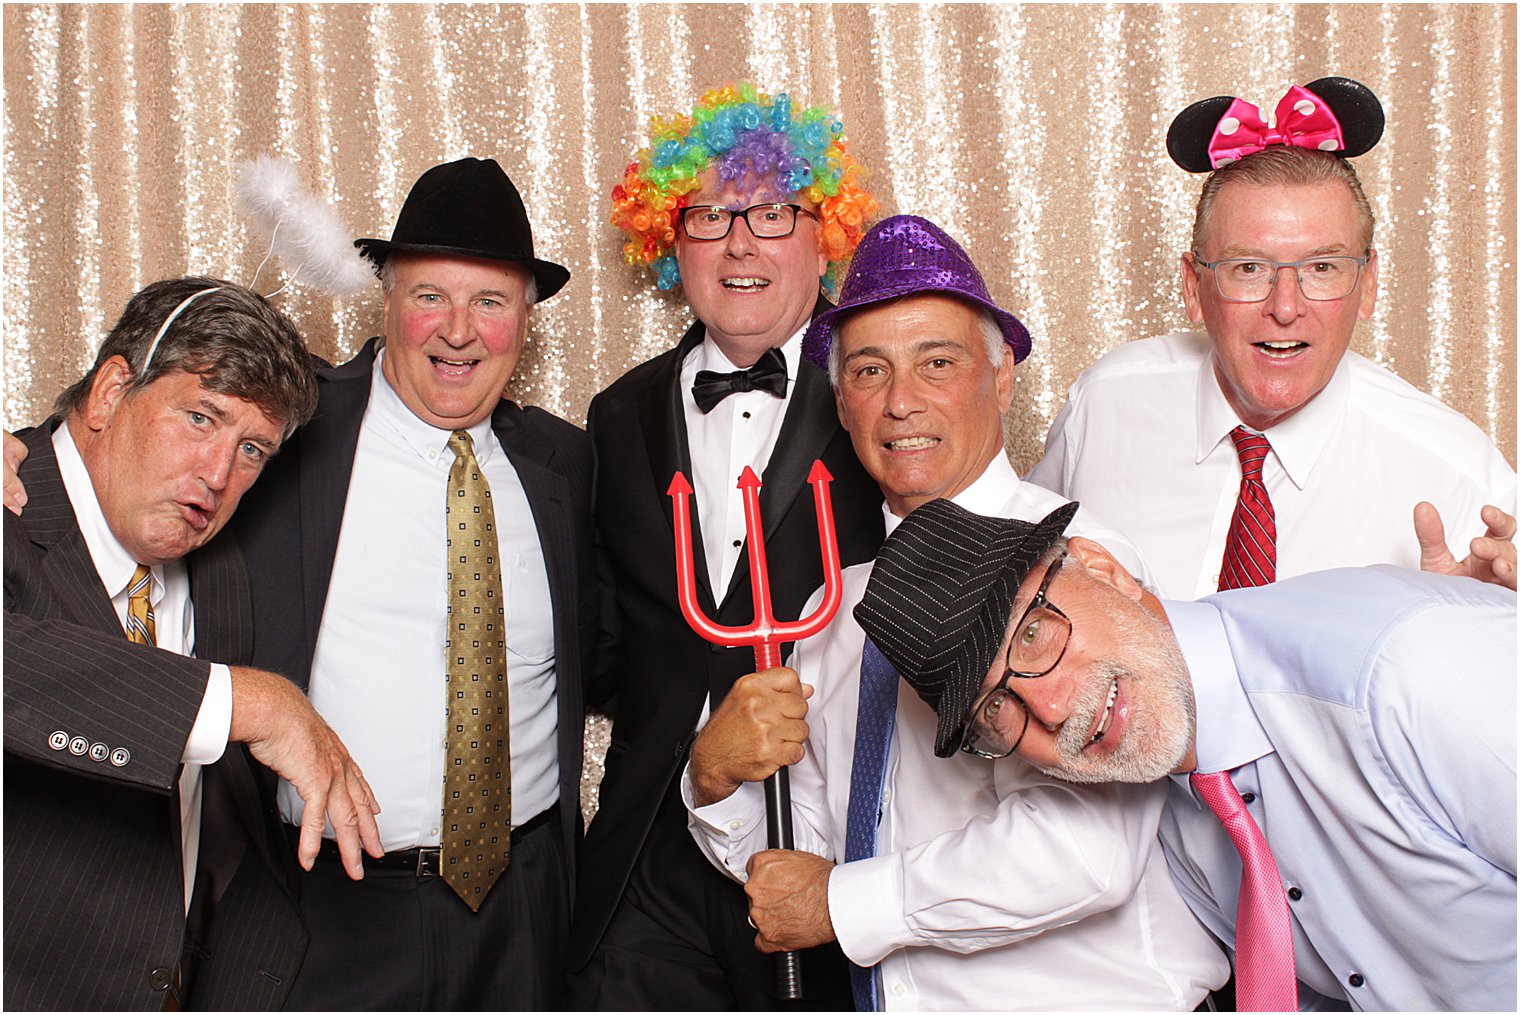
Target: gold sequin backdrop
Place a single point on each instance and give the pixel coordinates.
(1033, 133)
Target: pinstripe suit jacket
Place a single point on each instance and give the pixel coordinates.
(94, 730)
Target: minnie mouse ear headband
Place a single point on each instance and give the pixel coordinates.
(1335, 115)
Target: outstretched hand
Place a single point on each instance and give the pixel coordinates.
(759, 728)
(1491, 556)
(284, 733)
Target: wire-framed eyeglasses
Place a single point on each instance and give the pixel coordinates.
(996, 724)
(1252, 279)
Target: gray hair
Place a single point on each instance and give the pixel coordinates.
(992, 339)
(1286, 166)
(231, 338)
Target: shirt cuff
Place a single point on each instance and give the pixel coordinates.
(208, 737)
(730, 818)
(866, 908)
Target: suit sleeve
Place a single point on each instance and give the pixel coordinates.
(88, 701)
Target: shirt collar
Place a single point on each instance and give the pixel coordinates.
(1228, 733)
(1297, 442)
(428, 442)
(113, 563)
(707, 355)
(985, 496)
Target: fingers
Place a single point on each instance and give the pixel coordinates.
(1500, 525)
(312, 821)
(14, 495)
(1429, 530)
(1497, 556)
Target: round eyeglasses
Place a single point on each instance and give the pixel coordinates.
(1251, 279)
(995, 725)
(766, 221)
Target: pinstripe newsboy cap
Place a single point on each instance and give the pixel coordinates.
(939, 599)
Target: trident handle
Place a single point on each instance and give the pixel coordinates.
(765, 634)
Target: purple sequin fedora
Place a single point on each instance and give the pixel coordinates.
(907, 254)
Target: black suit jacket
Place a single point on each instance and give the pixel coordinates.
(661, 671)
(94, 896)
(288, 527)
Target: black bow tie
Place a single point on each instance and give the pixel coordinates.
(768, 374)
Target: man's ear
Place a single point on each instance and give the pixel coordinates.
(107, 390)
(1104, 566)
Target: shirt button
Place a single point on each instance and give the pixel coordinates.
(432, 831)
(1355, 979)
(746, 415)
(1249, 798)
(734, 826)
(1216, 581)
(736, 544)
(899, 989)
(1295, 893)
(886, 795)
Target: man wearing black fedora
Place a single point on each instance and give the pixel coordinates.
(965, 886)
(417, 487)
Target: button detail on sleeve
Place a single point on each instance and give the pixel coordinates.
(160, 978)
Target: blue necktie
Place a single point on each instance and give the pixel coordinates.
(874, 718)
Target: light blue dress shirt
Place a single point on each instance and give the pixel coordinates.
(1367, 716)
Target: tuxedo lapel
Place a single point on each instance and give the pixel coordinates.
(328, 445)
(662, 419)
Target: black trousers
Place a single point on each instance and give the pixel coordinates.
(680, 940)
(398, 942)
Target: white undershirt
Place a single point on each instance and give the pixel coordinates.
(378, 676)
(174, 630)
(740, 430)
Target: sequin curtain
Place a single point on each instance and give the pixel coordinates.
(1033, 133)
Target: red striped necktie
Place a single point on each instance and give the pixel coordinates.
(1250, 550)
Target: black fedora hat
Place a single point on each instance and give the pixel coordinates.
(940, 594)
(468, 207)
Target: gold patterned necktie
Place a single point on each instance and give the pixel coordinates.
(477, 786)
(140, 627)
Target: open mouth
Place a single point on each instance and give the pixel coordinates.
(745, 284)
(198, 517)
(1282, 350)
(911, 443)
(1108, 712)
(453, 366)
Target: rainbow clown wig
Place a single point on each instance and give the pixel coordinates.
(744, 133)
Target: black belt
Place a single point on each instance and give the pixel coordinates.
(423, 860)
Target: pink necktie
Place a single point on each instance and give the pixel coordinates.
(1250, 550)
(1265, 978)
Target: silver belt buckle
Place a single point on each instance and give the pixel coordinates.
(429, 861)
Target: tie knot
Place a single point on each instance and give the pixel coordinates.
(1252, 448)
(142, 581)
(461, 444)
(1216, 790)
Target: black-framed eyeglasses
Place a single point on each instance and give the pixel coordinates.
(1251, 279)
(1039, 642)
(766, 221)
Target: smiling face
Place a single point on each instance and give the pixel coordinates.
(1273, 357)
(454, 329)
(921, 399)
(751, 294)
(169, 461)
(1119, 707)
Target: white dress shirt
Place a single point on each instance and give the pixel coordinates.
(173, 630)
(994, 887)
(740, 430)
(1143, 440)
(378, 674)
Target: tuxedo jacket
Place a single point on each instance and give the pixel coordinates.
(94, 730)
(289, 523)
(660, 671)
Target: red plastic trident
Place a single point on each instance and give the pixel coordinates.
(765, 634)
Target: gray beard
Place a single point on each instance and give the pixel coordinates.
(1159, 729)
